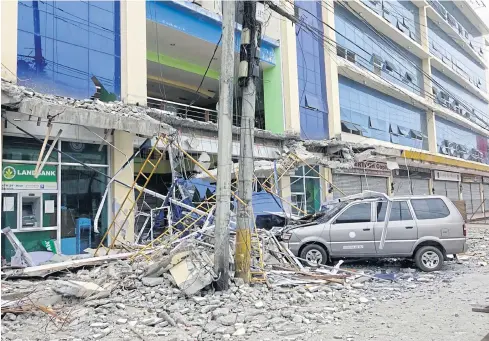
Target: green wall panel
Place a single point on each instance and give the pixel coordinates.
(272, 88)
(30, 240)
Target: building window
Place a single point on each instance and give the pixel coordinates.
(305, 187)
(24, 149)
(73, 48)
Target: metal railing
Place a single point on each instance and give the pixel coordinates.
(201, 114)
(184, 110)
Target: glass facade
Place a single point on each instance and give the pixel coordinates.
(62, 45)
(446, 48)
(81, 193)
(310, 66)
(382, 56)
(448, 133)
(457, 92)
(379, 116)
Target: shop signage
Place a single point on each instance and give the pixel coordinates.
(21, 176)
(413, 172)
(446, 176)
(471, 178)
(366, 167)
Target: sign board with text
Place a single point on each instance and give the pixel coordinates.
(21, 177)
(446, 176)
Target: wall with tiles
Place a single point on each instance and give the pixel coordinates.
(310, 66)
(356, 36)
(460, 93)
(375, 112)
(445, 48)
(446, 130)
(62, 44)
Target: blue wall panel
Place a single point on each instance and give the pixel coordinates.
(441, 44)
(359, 103)
(446, 130)
(310, 65)
(460, 93)
(356, 36)
(62, 44)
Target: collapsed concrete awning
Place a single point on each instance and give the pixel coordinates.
(113, 115)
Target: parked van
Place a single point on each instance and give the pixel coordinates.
(424, 228)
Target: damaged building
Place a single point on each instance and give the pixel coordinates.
(81, 98)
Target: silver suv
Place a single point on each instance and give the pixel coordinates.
(425, 228)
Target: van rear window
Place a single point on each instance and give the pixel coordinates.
(430, 208)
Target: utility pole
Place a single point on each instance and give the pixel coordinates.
(225, 136)
(249, 70)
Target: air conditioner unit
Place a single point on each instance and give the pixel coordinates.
(467, 114)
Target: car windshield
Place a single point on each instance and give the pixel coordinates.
(330, 211)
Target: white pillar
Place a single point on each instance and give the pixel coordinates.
(123, 141)
(290, 75)
(133, 52)
(331, 71)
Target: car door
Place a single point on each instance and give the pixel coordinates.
(351, 232)
(402, 231)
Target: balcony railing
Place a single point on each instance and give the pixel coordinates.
(202, 114)
(184, 110)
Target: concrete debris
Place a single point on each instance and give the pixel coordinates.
(166, 292)
(95, 113)
(193, 270)
(80, 289)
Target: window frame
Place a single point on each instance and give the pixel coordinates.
(306, 173)
(335, 219)
(410, 209)
(433, 199)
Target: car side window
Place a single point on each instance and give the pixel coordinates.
(433, 208)
(400, 211)
(359, 213)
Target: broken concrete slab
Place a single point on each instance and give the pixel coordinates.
(80, 289)
(192, 270)
(152, 281)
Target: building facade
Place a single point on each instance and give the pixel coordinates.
(408, 76)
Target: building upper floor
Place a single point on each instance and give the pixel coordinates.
(83, 49)
(406, 73)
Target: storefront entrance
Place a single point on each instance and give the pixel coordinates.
(60, 203)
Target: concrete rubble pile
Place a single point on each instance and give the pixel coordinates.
(172, 297)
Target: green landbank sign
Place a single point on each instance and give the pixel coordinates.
(21, 176)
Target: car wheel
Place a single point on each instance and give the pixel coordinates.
(314, 254)
(429, 258)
